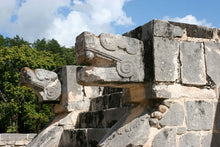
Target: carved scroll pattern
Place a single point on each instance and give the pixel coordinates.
(125, 68)
(111, 43)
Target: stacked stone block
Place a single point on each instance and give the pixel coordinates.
(15, 140)
(182, 63)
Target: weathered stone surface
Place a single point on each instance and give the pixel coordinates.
(193, 63)
(131, 129)
(166, 29)
(49, 137)
(146, 91)
(15, 139)
(117, 59)
(181, 130)
(207, 140)
(73, 138)
(166, 52)
(165, 138)
(43, 82)
(99, 103)
(189, 140)
(95, 135)
(75, 97)
(100, 119)
(195, 30)
(107, 101)
(212, 51)
(82, 137)
(174, 116)
(197, 111)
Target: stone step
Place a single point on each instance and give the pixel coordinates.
(100, 119)
(82, 137)
(107, 101)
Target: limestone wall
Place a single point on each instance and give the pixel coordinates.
(182, 62)
(15, 140)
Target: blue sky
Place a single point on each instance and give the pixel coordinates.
(65, 19)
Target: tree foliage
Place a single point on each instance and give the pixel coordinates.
(68, 54)
(19, 107)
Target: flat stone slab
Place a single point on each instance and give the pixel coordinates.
(100, 119)
(189, 140)
(212, 51)
(181, 91)
(131, 130)
(193, 63)
(174, 116)
(48, 137)
(199, 115)
(166, 52)
(165, 138)
(82, 137)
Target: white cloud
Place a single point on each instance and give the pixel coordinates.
(6, 11)
(189, 19)
(41, 18)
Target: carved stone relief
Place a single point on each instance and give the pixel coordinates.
(44, 83)
(119, 57)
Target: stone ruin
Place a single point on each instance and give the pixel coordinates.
(155, 86)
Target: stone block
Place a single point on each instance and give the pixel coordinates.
(13, 137)
(21, 142)
(181, 91)
(212, 51)
(94, 135)
(166, 53)
(174, 116)
(74, 138)
(199, 115)
(165, 138)
(192, 63)
(189, 140)
(49, 137)
(75, 97)
(195, 31)
(131, 130)
(3, 143)
(115, 100)
(100, 119)
(31, 136)
(165, 29)
(99, 103)
(181, 130)
(207, 140)
(82, 137)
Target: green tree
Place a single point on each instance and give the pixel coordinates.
(68, 54)
(54, 47)
(20, 111)
(40, 45)
(2, 41)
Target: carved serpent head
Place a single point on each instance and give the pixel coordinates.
(43, 82)
(113, 60)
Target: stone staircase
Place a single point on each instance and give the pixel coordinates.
(91, 126)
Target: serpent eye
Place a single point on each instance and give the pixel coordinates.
(89, 55)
